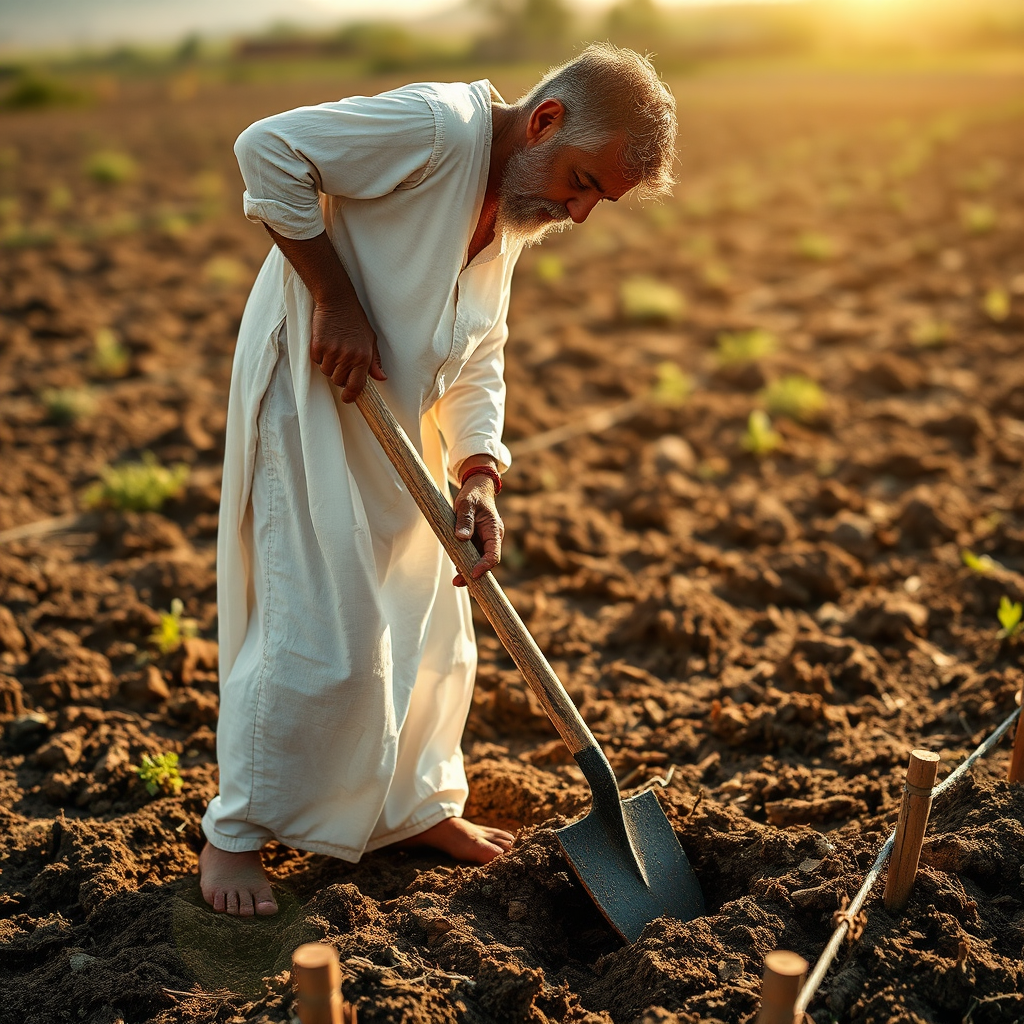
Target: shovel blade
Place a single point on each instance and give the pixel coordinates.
(606, 865)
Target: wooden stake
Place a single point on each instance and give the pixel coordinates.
(316, 976)
(783, 978)
(913, 819)
(1016, 773)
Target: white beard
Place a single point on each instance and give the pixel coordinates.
(524, 216)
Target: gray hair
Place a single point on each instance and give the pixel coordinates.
(606, 91)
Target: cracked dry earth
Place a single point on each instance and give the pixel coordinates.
(775, 633)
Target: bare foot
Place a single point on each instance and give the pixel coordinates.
(463, 840)
(235, 883)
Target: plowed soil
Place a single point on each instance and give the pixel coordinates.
(771, 634)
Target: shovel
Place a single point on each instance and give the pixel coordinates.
(624, 851)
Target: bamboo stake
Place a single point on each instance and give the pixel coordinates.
(913, 819)
(316, 975)
(1016, 773)
(783, 975)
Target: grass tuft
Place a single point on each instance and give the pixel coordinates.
(760, 439)
(647, 300)
(173, 628)
(159, 773)
(66, 405)
(795, 396)
(141, 486)
(109, 167)
(738, 347)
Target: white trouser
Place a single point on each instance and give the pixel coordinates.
(341, 718)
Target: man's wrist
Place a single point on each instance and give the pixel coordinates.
(481, 470)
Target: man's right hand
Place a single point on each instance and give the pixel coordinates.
(343, 343)
(345, 349)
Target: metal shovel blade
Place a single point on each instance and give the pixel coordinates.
(627, 856)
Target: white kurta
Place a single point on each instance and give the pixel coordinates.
(346, 655)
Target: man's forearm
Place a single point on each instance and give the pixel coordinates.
(316, 262)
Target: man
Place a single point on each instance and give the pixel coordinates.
(347, 659)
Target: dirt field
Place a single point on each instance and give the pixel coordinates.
(781, 628)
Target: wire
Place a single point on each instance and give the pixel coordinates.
(810, 988)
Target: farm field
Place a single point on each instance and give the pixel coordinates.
(766, 613)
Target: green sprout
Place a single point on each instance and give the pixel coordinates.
(159, 773)
(550, 269)
(33, 91)
(1009, 615)
(980, 564)
(647, 300)
(714, 274)
(109, 167)
(109, 357)
(136, 486)
(760, 439)
(930, 333)
(978, 218)
(996, 304)
(672, 386)
(65, 405)
(982, 178)
(59, 198)
(795, 396)
(10, 207)
(815, 246)
(173, 628)
(224, 271)
(738, 347)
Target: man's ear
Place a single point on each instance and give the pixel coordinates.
(545, 120)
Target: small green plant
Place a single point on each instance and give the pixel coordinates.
(996, 304)
(738, 347)
(983, 177)
(647, 300)
(978, 218)
(59, 198)
(224, 271)
(109, 357)
(159, 774)
(930, 333)
(173, 628)
(980, 564)
(66, 405)
(109, 167)
(812, 245)
(549, 268)
(1009, 616)
(795, 396)
(760, 439)
(672, 386)
(33, 91)
(136, 486)
(714, 274)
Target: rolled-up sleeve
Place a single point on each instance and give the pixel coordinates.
(471, 413)
(361, 147)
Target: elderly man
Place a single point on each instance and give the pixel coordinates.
(347, 659)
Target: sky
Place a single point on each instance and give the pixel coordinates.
(27, 24)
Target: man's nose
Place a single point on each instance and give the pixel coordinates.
(580, 207)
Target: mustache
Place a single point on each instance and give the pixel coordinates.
(556, 211)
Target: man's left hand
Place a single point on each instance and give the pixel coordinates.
(477, 519)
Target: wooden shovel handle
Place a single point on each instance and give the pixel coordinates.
(503, 617)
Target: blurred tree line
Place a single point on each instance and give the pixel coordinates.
(547, 30)
(484, 32)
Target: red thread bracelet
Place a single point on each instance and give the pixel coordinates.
(485, 471)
